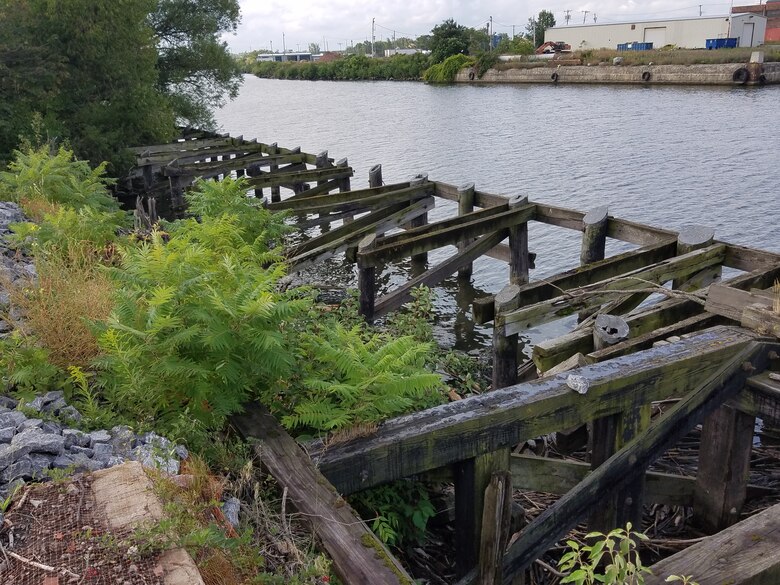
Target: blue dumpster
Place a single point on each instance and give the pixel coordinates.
(721, 43)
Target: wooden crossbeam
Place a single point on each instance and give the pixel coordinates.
(283, 179)
(664, 314)
(359, 557)
(335, 241)
(550, 288)
(448, 236)
(210, 169)
(192, 155)
(433, 276)
(601, 292)
(363, 198)
(722, 381)
(184, 145)
(460, 430)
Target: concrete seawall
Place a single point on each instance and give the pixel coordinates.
(712, 74)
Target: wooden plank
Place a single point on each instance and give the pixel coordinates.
(459, 430)
(723, 381)
(448, 236)
(761, 319)
(750, 259)
(433, 276)
(335, 241)
(481, 199)
(730, 302)
(287, 179)
(184, 145)
(744, 554)
(596, 294)
(359, 557)
(496, 519)
(550, 352)
(760, 398)
(214, 168)
(611, 267)
(363, 198)
(191, 156)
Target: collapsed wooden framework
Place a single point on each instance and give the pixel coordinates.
(711, 343)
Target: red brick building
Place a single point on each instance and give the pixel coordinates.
(772, 11)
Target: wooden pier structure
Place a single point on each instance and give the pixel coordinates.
(711, 343)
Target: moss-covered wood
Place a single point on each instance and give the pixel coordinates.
(352, 200)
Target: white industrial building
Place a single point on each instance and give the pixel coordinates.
(688, 33)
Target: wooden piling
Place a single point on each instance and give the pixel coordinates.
(724, 464)
(276, 194)
(375, 176)
(344, 185)
(472, 476)
(465, 206)
(505, 346)
(496, 519)
(367, 279)
(519, 262)
(422, 220)
(594, 235)
(693, 237)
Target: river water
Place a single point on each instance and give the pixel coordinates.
(666, 156)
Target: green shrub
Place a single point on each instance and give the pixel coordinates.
(446, 71)
(486, 61)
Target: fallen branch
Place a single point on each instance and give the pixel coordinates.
(40, 566)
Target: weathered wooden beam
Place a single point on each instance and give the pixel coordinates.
(433, 276)
(693, 237)
(335, 241)
(466, 428)
(420, 221)
(191, 156)
(744, 554)
(600, 292)
(750, 259)
(761, 397)
(359, 557)
(724, 465)
(361, 199)
(280, 179)
(465, 207)
(519, 261)
(417, 244)
(496, 519)
(731, 302)
(723, 381)
(663, 314)
(367, 279)
(549, 288)
(481, 199)
(184, 145)
(594, 235)
(207, 170)
(505, 346)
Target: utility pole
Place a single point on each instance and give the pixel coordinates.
(373, 36)
(491, 29)
(534, 23)
(584, 15)
(284, 45)
(594, 18)
(272, 46)
(513, 32)
(699, 9)
(568, 16)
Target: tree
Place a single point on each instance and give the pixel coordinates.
(314, 48)
(195, 68)
(536, 27)
(448, 38)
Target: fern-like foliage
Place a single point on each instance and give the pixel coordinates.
(350, 376)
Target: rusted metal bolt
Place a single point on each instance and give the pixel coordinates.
(747, 367)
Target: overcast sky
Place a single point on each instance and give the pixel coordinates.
(337, 23)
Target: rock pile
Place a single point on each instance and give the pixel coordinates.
(31, 446)
(13, 266)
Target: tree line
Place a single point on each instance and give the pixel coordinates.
(100, 75)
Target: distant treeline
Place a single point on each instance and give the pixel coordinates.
(352, 67)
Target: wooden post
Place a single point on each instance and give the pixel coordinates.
(472, 477)
(375, 176)
(609, 433)
(496, 518)
(594, 235)
(519, 261)
(505, 346)
(344, 186)
(693, 237)
(422, 220)
(367, 280)
(724, 464)
(276, 194)
(177, 192)
(465, 206)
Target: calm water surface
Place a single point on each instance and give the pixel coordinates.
(666, 156)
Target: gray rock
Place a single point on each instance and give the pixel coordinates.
(40, 463)
(39, 442)
(156, 441)
(7, 434)
(21, 469)
(230, 509)
(36, 404)
(53, 396)
(75, 437)
(63, 461)
(8, 402)
(103, 450)
(9, 454)
(148, 456)
(76, 449)
(122, 439)
(113, 461)
(181, 452)
(30, 423)
(12, 419)
(99, 437)
(51, 427)
(83, 463)
(69, 413)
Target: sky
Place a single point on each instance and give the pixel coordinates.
(335, 24)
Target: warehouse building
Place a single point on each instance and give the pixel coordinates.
(688, 33)
(772, 11)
